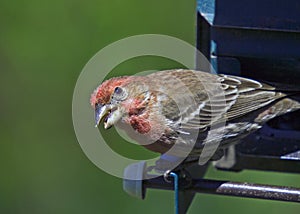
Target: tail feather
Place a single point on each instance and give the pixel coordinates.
(281, 107)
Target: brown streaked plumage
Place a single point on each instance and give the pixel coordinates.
(183, 106)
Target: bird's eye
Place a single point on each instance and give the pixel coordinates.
(119, 94)
(118, 90)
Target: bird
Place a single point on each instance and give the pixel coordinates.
(187, 109)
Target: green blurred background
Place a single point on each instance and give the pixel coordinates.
(43, 47)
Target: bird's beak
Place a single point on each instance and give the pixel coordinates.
(111, 113)
(100, 112)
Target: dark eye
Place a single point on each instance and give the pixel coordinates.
(119, 94)
(118, 90)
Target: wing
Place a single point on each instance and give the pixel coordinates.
(203, 99)
(252, 95)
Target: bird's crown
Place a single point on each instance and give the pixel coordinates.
(102, 94)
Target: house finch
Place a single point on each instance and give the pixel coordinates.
(187, 108)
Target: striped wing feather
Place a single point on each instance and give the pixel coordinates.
(218, 97)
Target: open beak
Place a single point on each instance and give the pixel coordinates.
(110, 113)
(100, 112)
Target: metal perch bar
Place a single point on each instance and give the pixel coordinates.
(239, 189)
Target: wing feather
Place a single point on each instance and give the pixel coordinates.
(217, 97)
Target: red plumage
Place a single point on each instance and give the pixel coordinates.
(172, 107)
